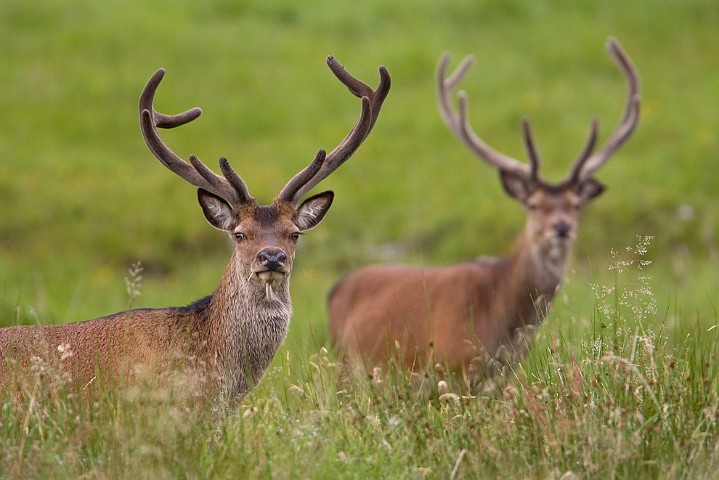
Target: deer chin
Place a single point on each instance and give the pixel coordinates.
(557, 248)
(270, 279)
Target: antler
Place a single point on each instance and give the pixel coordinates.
(586, 165)
(230, 187)
(459, 122)
(323, 165)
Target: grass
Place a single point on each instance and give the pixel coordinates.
(608, 391)
(624, 399)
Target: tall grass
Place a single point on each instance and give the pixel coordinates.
(624, 401)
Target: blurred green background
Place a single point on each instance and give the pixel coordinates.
(81, 197)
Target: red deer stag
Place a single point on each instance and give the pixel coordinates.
(477, 315)
(232, 335)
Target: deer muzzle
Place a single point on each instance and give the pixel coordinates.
(272, 259)
(271, 264)
(563, 229)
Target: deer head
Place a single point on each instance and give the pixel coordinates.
(552, 209)
(265, 236)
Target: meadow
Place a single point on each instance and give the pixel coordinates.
(624, 378)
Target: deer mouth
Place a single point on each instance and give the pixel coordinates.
(269, 277)
(561, 240)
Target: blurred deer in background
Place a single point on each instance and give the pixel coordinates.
(232, 335)
(477, 315)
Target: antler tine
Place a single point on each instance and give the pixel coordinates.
(219, 184)
(531, 149)
(586, 152)
(587, 165)
(235, 180)
(371, 104)
(445, 85)
(288, 193)
(360, 89)
(458, 123)
(195, 172)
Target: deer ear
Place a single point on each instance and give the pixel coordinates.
(313, 210)
(217, 211)
(589, 188)
(517, 186)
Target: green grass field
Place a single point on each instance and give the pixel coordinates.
(624, 378)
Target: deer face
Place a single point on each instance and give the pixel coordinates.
(552, 210)
(265, 236)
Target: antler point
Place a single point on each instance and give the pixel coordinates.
(526, 125)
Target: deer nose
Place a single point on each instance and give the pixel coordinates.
(562, 228)
(272, 259)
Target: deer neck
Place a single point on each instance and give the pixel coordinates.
(537, 269)
(249, 322)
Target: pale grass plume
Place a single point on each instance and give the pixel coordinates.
(133, 282)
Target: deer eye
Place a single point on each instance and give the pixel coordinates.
(239, 236)
(296, 236)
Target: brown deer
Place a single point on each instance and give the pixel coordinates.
(478, 315)
(232, 335)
